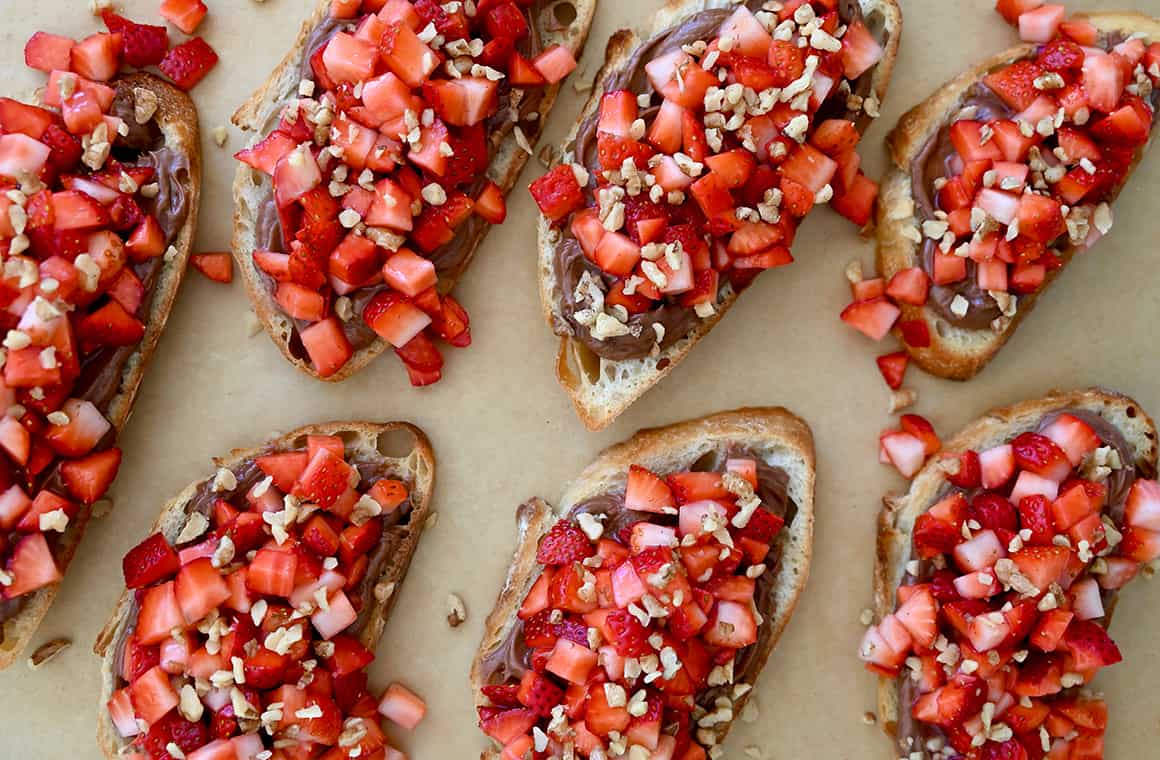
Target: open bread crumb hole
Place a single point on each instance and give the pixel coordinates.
(564, 13)
(396, 443)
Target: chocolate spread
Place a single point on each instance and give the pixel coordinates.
(449, 259)
(570, 262)
(248, 475)
(933, 162)
(912, 734)
(102, 370)
(511, 658)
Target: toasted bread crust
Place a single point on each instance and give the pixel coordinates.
(250, 190)
(418, 465)
(956, 353)
(899, 512)
(774, 433)
(177, 117)
(601, 389)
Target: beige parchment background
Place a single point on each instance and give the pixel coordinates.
(504, 431)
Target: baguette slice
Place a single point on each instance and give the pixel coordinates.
(896, 521)
(602, 389)
(416, 467)
(779, 437)
(177, 117)
(957, 353)
(252, 189)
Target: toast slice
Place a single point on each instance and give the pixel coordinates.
(775, 436)
(395, 450)
(896, 523)
(960, 351)
(176, 116)
(601, 388)
(252, 190)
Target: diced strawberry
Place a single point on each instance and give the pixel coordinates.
(1090, 646)
(152, 695)
(327, 345)
(1011, 10)
(218, 267)
(272, 572)
(557, 193)
(873, 318)
(88, 479)
(200, 588)
(490, 204)
(564, 544)
(997, 465)
(904, 451)
(555, 63)
(1015, 84)
(188, 63)
(48, 52)
(1103, 81)
(1042, 23)
(1140, 545)
(186, 15)
(860, 51)
(20, 155)
(507, 725)
(142, 45)
(809, 167)
(1074, 436)
(856, 203)
(97, 57)
(909, 286)
(31, 566)
(406, 55)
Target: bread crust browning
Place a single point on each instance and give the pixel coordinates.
(602, 389)
(775, 434)
(418, 465)
(956, 353)
(178, 120)
(251, 190)
(899, 511)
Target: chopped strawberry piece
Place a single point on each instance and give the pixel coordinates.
(218, 267)
(48, 52)
(873, 318)
(188, 63)
(186, 15)
(142, 45)
(557, 193)
(893, 368)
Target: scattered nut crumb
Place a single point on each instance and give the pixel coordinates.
(869, 718)
(47, 651)
(456, 610)
(221, 136)
(902, 398)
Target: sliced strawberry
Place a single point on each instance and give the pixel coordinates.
(893, 368)
(48, 52)
(218, 267)
(646, 492)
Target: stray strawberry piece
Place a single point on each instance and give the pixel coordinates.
(186, 15)
(188, 63)
(218, 267)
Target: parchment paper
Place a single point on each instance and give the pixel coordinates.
(504, 431)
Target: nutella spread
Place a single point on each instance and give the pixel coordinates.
(511, 657)
(912, 733)
(666, 323)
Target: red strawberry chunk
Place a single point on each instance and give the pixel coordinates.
(142, 45)
(186, 15)
(563, 544)
(557, 193)
(188, 63)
